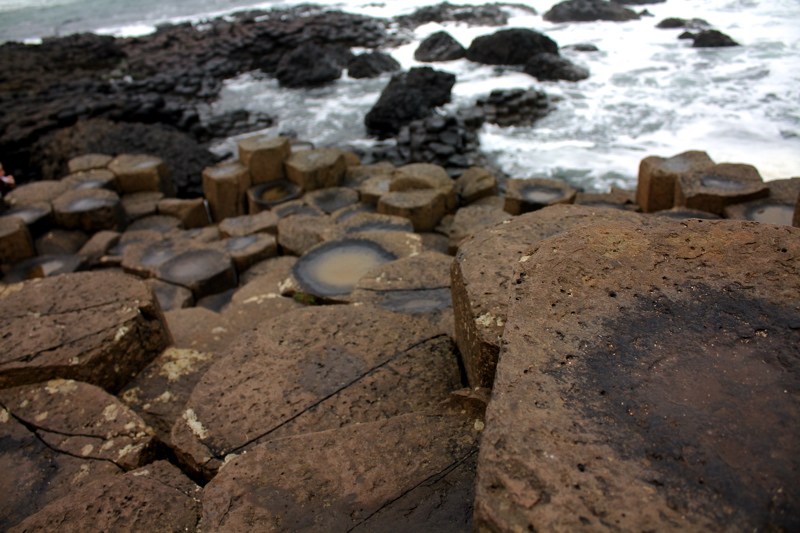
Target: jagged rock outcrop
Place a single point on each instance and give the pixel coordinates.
(408, 96)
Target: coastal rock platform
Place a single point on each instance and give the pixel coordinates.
(311, 364)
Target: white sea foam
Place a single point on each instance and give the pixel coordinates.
(648, 93)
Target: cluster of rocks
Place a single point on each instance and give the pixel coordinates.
(699, 32)
(300, 350)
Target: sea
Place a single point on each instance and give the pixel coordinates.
(649, 93)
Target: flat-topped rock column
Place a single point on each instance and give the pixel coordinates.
(481, 275)
(225, 188)
(264, 156)
(648, 380)
(99, 327)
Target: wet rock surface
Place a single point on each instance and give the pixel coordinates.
(671, 395)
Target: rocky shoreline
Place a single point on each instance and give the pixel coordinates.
(300, 350)
(304, 338)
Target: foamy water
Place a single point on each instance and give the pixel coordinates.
(648, 94)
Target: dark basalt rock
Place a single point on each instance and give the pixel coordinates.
(550, 67)
(485, 15)
(712, 39)
(185, 158)
(679, 23)
(309, 65)
(441, 46)
(514, 107)
(371, 65)
(510, 47)
(409, 96)
(588, 11)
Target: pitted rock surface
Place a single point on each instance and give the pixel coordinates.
(284, 379)
(98, 327)
(648, 380)
(352, 478)
(34, 474)
(482, 270)
(81, 420)
(157, 497)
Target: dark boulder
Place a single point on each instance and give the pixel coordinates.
(638, 2)
(409, 96)
(551, 67)
(673, 23)
(485, 15)
(440, 46)
(712, 39)
(371, 64)
(308, 66)
(510, 47)
(185, 158)
(588, 11)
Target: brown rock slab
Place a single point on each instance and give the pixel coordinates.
(482, 271)
(160, 223)
(225, 188)
(658, 176)
(297, 207)
(34, 474)
(285, 379)
(81, 420)
(157, 497)
(472, 219)
(358, 174)
(361, 222)
(299, 233)
(200, 329)
(191, 212)
(145, 251)
(99, 245)
(204, 271)
(264, 156)
(646, 382)
(141, 204)
(92, 179)
(98, 327)
(371, 189)
(425, 176)
(316, 169)
(35, 192)
(260, 299)
(475, 183)
(526, 195)
(616, 198)
(141, 172)
(60, 242)
(170, 296)
(86, 162)
(43, 266)
(276, 270)
(354, 478)
(88, 209)
(423, 207)
(718, 186)
(159, 392)
(38, 217)
(15, 240)
(263, 222)
(248, 250)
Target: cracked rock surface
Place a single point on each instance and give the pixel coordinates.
(648, 379)
(351, 364)
(98, 327)
(354, 479)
